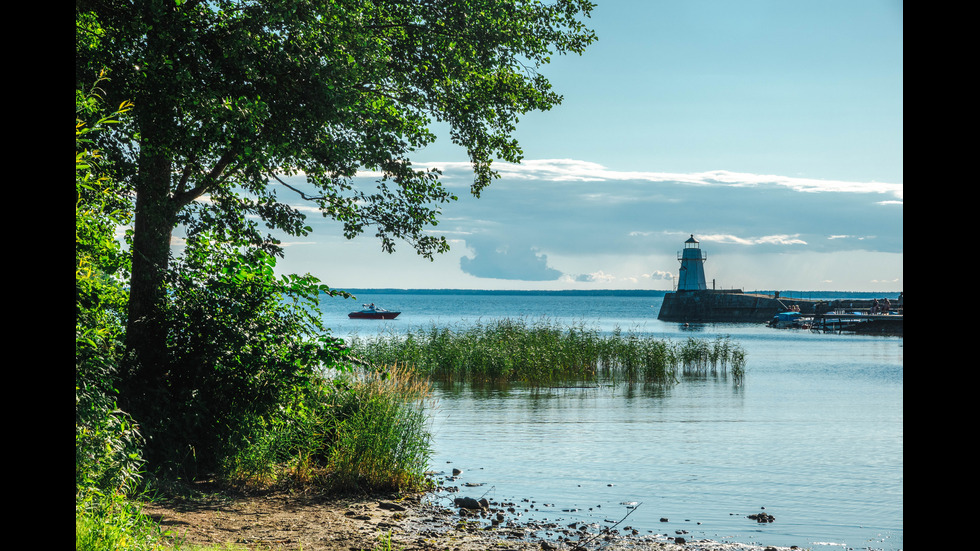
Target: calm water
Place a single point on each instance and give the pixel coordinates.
(814, 434)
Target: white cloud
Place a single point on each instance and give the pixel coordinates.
(596, 277)
(763, 240)
(495, 260)
(571, 170)
(545, 221)
(659, 275)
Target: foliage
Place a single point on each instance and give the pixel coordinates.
(114, 524)
(231, 94)
(100, 205)
(247, 348)
(242, 89)
(106, 443)
(243, 343)
(366, 431)
(227, 97)
(381, 439)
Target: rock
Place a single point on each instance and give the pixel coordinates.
(762, 517)
(680, 540)
(390, 506)
(470, 503)
(457, 472)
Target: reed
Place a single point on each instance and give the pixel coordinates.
(700, 357)
(380, 432)
(365, 430)
(738, 365)
(542, 353)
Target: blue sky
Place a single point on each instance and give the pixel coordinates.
(771, 130)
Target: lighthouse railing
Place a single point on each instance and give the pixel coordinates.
(703, 256)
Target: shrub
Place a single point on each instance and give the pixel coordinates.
(364, 431)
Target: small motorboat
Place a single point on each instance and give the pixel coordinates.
(372, 312)
(794, 320)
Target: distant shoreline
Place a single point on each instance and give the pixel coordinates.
(611, 292)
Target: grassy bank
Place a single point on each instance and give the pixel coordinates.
(546, 353)
(365, 433)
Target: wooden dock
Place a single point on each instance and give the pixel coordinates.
(859, 322)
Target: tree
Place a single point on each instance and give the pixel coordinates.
(228, 94)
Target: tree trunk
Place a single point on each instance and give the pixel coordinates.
(146, 364)
(146, 333)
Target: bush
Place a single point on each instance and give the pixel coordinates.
(364, 431)
(107, 443)
(243, 345)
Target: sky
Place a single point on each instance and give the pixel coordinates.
(771, 131)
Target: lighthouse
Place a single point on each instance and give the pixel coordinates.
(691, 276)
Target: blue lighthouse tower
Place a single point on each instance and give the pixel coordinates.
(691, 276)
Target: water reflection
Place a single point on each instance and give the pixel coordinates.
(704, 453)
(607, 387)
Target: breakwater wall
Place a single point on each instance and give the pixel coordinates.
(734, 306)
(723, 306)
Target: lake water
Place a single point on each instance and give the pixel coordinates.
(814, 434)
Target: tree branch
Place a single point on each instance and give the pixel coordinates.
(213, 178)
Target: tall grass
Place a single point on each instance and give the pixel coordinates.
(701, 357)
(380, 436)
(543, 353)
(367, 431)
(110, 523)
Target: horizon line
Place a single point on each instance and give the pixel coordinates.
(587, 291)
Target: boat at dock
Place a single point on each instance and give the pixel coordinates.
(372, 312)
(791, 320)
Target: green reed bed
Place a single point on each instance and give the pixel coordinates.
(381, 438)
(366, 430)
(700, 357)
(543, 353)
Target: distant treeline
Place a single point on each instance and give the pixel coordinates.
(583, 293)
(833, 294)
(616, 293)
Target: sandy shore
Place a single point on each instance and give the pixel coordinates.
(284, 521)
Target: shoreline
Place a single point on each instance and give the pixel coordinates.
(309, 522)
